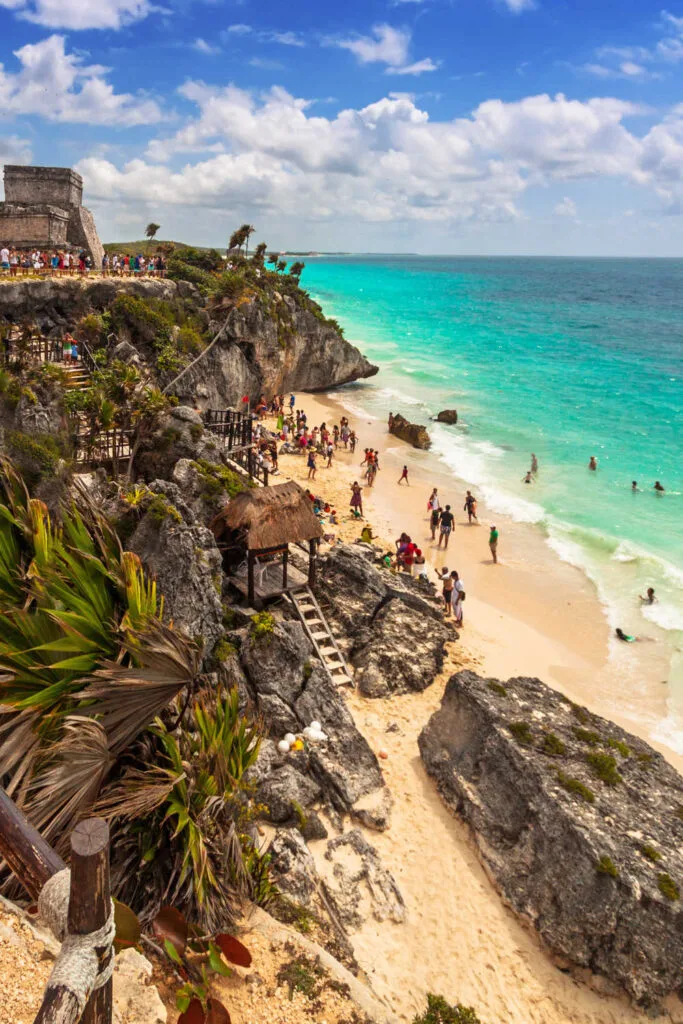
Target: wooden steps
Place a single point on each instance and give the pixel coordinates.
(320, 635)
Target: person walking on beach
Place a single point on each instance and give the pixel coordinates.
(311, 463)
(470, 507)
(330, 454)
(357, 499)
(534, 464)
(352, 441)
(434, 509)
(593, 463)
(493, 544)
(446, 520)
(404, 476)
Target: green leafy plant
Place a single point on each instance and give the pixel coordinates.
(619, 745)
(86, 661)
(668, 887)
(303, 974)
(553, 745)
(522, 733)
(604, 767)
(651, 853)
(439, 1011)
(606, 866)
(263, 627)
(576, 787)
(586, 736)
(181, 818)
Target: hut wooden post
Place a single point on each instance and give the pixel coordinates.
(312, 545)
(27, 854)
(285, 559)
(250, 577)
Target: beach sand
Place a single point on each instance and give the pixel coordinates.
(530, 615)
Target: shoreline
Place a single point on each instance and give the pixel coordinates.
(531, 615)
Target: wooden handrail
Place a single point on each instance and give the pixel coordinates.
(27, 854)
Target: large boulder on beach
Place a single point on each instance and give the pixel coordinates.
(449, 416)
(390, 624)
(579, 823)
(413, 433)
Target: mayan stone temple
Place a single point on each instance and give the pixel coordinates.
(43, 210)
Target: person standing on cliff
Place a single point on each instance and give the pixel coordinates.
(493, 544)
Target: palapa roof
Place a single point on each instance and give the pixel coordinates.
(270, 517)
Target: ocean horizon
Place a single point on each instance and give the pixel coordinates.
(563, 357)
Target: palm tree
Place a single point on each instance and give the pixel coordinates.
(260, 254)
(235, 240)
(296, 269)
(151, 230)
(86, 661)
(246, 231)
(272, 259)
(281, 265)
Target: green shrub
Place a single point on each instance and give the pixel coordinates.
(190, 341)
(619, 745)
(224, 650)
(263, 626)
(576, 787)
(218, 479)
(553, 745)
(521, 732)
(586, 736)
(644, 758)
(650, 852)
(497, 688)
(581, 714)
(604, 767)
(178, 270)
(160, 509)
(606, 866)
(440, 1012)
(668, 887)
(303, 974)
(36, 454)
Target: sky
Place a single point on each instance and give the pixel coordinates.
(432, 126)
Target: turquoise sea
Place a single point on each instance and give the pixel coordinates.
(566, 358)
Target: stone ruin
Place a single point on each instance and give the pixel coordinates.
(43, 210)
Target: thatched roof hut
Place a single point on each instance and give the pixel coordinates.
(270, 517)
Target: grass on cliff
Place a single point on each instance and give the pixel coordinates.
(439, 1011)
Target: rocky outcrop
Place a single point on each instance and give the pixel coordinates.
(413, 433)
(136, 999)
(391, 625)
(57, 304)
(186, 563)
(291, 690)
(447, 416)
(579, 823)
(272, 349)
(360, 886)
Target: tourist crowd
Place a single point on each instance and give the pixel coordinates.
(23, 262)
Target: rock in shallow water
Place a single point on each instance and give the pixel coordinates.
(413, 433)
(578, 822)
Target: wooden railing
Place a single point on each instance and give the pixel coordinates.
(235, 428)
(247, 459)
(82, 987)
(106, 446)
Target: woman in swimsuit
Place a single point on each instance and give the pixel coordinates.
(356, 499)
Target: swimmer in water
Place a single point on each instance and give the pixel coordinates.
(649, 596)
(634, 486)
(534, 463)
(631, 639)
(593, 463)
(528, 479)
(658, 487)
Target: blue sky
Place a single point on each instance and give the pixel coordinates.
(474, 126)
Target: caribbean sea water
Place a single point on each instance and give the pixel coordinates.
(566, 358)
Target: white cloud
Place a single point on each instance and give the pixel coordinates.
(567, 208)
(239, 30)
(418, 68)
(59, 87)
(284, 38)
(387, 45)
(201, 46)
(388, 162)
(517, 6)
(14, 150)
(81, 14)
(265, 64)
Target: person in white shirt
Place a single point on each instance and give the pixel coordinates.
(4, 258)
(458, 598)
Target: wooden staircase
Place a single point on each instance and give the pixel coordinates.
(77, 377)
(320, 635)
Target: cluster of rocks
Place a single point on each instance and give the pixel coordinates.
(579, 823)
(413, 433)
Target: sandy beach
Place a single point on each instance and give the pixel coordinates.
(530, 615)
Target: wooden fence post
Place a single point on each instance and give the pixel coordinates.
(28, 856)
(90, 902)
